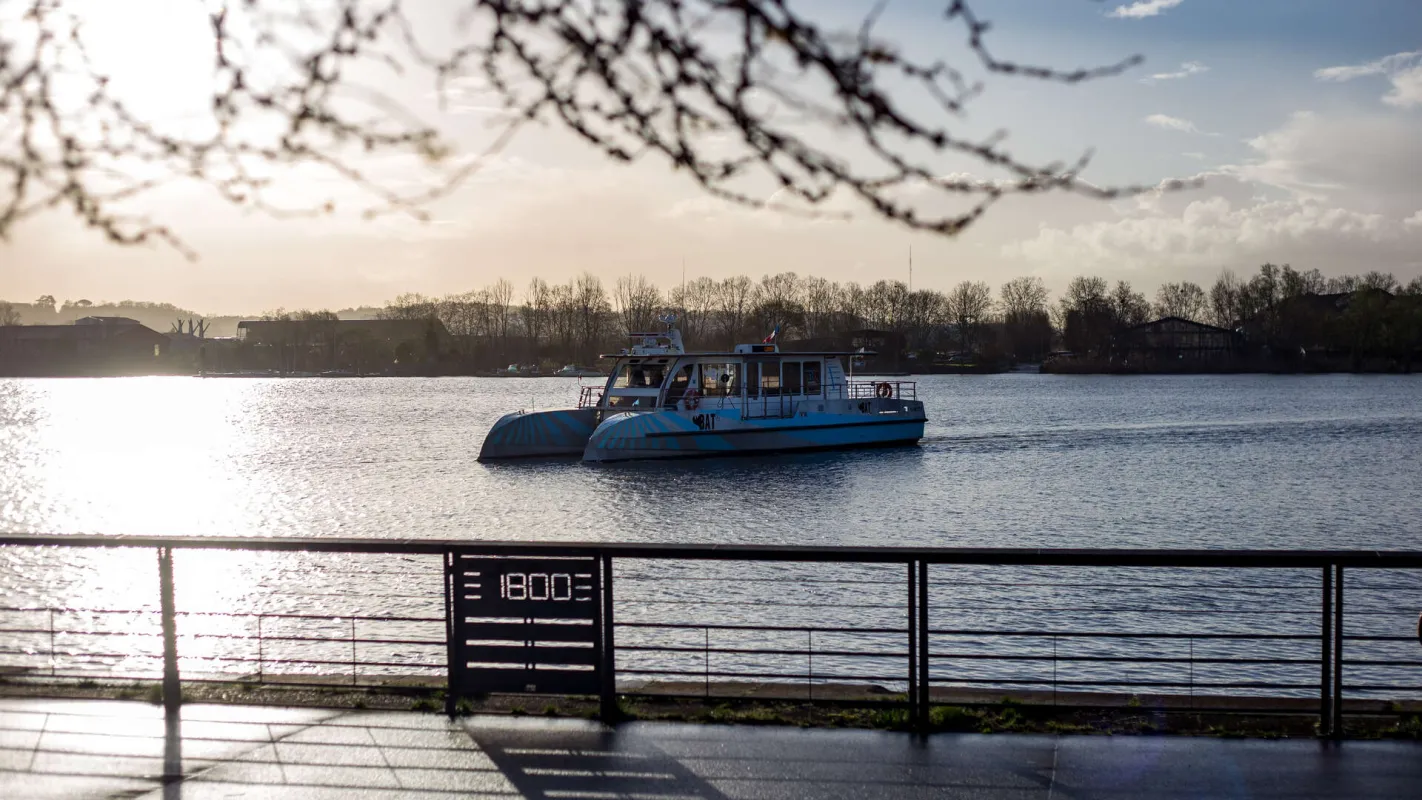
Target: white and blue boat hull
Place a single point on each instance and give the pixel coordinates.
(673, 434)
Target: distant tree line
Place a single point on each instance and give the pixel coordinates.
(1282, 311)
(577, 320)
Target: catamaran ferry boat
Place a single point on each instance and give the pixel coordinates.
(663, 402)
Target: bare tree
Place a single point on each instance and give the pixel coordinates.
(500, 299)
(537, 304)
(1027, 324)
(590, 307)
(969, 304)
(1130, 306)
(1023, 296)
(735, 302)
(649, 79)
(1185, 300)
(9, 315)
(637, 300)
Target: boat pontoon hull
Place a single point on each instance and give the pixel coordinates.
(533, 434)
(627, 437)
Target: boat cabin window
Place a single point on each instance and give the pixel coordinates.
(812, 377)
(719, 380)
(770, 379)
(640, 375)
(680, 382)
(790, 372)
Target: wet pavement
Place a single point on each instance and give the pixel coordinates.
(116, 749)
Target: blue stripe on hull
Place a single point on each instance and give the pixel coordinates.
(657, 436)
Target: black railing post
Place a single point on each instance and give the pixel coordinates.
(1337, 728)
(924, 676)
(172, 686)
(1325, 657)
(608, 700)
(911, 627)
(453, 669)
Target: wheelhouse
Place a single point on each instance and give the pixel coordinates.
(757, 379)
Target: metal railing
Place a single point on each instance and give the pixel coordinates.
(907, 627)
(897, 390)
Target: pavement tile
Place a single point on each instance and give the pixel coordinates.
(203, 790)
(327, 754)
(461, 781)
(447, 739)
(330, 775)
(430, 758)
(18, 740)
(55, 787)
(22, 720)
(95, 744)
(17, 759)
(331, 734)
(243, 772)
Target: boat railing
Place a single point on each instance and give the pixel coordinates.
(769, 406)
(868, 390)
(591, 396)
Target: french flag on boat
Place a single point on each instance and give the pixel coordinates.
(771, 337)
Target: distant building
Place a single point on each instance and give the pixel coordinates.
(1173, 340)
(322, 332)
(92, 346)
(106, 321)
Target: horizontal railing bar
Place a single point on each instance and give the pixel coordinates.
(757, 652)
(1121, 659)
(1300, 637)
(232, 614)
(1143, 557)
(778, 675)
(1170, 684)
(775, 628)
(1358, 662)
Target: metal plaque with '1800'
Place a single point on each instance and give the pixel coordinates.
(525, 624)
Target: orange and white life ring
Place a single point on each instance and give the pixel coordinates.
(691, 399)
(884, 390)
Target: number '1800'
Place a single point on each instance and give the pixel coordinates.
(536, 586)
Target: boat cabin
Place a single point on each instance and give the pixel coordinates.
(758, 379)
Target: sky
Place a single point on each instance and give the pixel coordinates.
(1303, 119)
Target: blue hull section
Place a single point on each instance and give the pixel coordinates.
(539, 433)
(643, 436)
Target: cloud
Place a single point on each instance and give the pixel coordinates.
(1174, 124)
(1187, 69)
(1228, 225)
(1195, 155)
(1334, 192)
(1144, 8)
(1363, 160)
(1403, 70)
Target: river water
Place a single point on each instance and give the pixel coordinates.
(1010, 460)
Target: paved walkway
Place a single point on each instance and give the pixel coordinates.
(107, 749)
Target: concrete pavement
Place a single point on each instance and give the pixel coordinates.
(107, 749)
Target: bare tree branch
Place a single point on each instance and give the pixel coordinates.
(735, 93)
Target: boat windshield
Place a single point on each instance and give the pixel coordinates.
(640, 376)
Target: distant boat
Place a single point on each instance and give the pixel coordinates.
(663, 402)
(575, 371)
